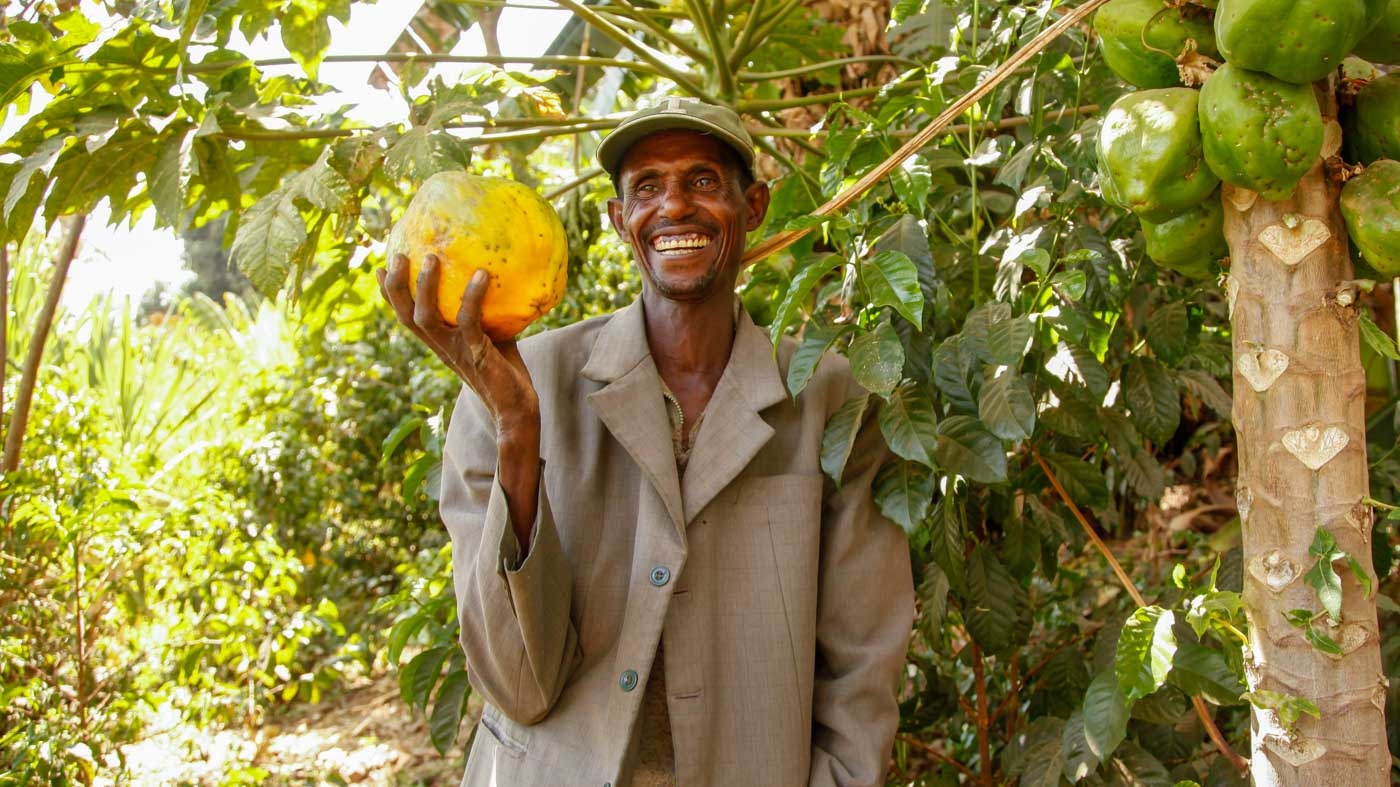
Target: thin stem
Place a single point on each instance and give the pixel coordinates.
(540, 133)
(708, 29)
(19, 419)
(937, 755)
(765, 76)
(643, 51)
(765, 29)
(983, 719)
(784, 239)
(1211, 729)
(4, 321)
(642, 23)
(745, 34)
(412, 57)
(821, 98)
(573, 184)
(813, 186)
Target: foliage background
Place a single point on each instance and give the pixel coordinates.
(231, 503)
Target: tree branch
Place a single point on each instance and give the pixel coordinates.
(937, 755)
(19, 419)
(766, 76)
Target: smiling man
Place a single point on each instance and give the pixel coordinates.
(655, 581)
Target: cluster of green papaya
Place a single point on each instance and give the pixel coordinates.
(1255, 123)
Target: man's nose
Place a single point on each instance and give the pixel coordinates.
(675, 202)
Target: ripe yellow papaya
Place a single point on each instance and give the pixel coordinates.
(471, 221)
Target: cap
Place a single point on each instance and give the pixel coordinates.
(676, 112)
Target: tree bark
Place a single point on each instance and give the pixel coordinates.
(19, 419)
(1299, 417)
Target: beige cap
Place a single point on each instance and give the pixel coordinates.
(676, 112)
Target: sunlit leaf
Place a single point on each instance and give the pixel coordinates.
(966, 447)
(909, 424)
(877, 359)
(1006, 406)
(903, 491)
(1146, 647)
(893, 281)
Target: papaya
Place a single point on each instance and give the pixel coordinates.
(1373, 122)
(1192, 243)
(1382, 43)
(1137, 35)
(1371, 208)
(472, 222)
(1298, 41)
(1260, 133)
(1150, 158)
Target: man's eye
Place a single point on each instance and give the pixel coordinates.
(645, 188)
(706, 182)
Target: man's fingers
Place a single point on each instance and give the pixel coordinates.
(469, 313)
(425, 309)
(393, 282)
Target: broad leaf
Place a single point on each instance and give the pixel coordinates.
(877, 359)
(892, 280)
(325, 188)
(416, 681)
(995, 610)
(909, 424)
(950, 374)
(1168, 332)
(1080, 759)
(966, 447)
(170, 177)
(1135, 767)
(1377, 339)
(1005, 405)
(799, 290)
(423, 152)
(903, 491)
(1041, 754)
(995, 336)
(1105, 714)
(1084, 482)
(840, 435)
(1152, 399)
(948, 541)
(448, 709)
(816, 340)
(1201, 671)
(269, 236)
(1146, 647)
(1206, 388)
(1078, 366)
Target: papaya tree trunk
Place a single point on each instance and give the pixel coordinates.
(1299, 417)
(29, 375)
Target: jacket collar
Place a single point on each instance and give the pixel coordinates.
(631, 406)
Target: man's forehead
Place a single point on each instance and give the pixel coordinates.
(675, 146)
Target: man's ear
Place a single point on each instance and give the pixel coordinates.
(757, 196)
(615, 216)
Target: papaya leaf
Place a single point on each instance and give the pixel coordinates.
(877, 359)
(170, 177)
(903, 491)
(892, 280)
(269, 237)
(909, 424)
(840, 434)
(448, 709)
(966, 447)
(1006, 406)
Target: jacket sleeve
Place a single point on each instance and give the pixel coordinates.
(865, 613)
(520, 642)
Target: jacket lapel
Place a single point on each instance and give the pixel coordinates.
(733, 431)
(630, 403)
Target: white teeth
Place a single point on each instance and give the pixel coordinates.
(680, 242)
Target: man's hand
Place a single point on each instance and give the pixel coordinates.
(496, 372)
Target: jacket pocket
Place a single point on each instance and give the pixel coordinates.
(496, 728)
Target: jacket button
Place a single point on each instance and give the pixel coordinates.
(628, 680)
(660, 576)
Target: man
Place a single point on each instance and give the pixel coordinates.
(656, 583)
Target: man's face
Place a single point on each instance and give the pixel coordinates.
(685, 213)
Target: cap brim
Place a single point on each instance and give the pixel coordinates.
(614, 146)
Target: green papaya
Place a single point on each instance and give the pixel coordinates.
(1260, 133)
(1298, 41)
(1136, 36)
(1192, 243)
(1373, 122)
(1371, 208)
(1382, 44)
(1150, 158)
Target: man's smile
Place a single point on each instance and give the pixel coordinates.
(679, 244)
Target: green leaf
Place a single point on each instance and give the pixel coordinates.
(1168, 332)
(39, 161)
(1105, 714)
(1006, 406)
(307, 35)
(799, 290)
(423, 152)
(995, 336)
(1289, 708)
(400, 432)
(269, 237)
(903, 491)
(423, 467)
(1202, 671)
(909, 424)
(170, 178)
(1084, 482)
(416, 681)
(400, 634)
(1146, 647)
(1206, 388)
(1377, 339)
(1042, 760)
(966, 447)
(893, 281)
(995, 610)
(1070, 284)
(840, 434)
(448, 709)
(948, 541)
(1133, 766)
(324, 187)
(1153, 402)
(1077, 366)
(877, 359)
(816, 340)
(1322, 577)
(933, 602)
(1080, 760)
(1145, 474)
(950, 374)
